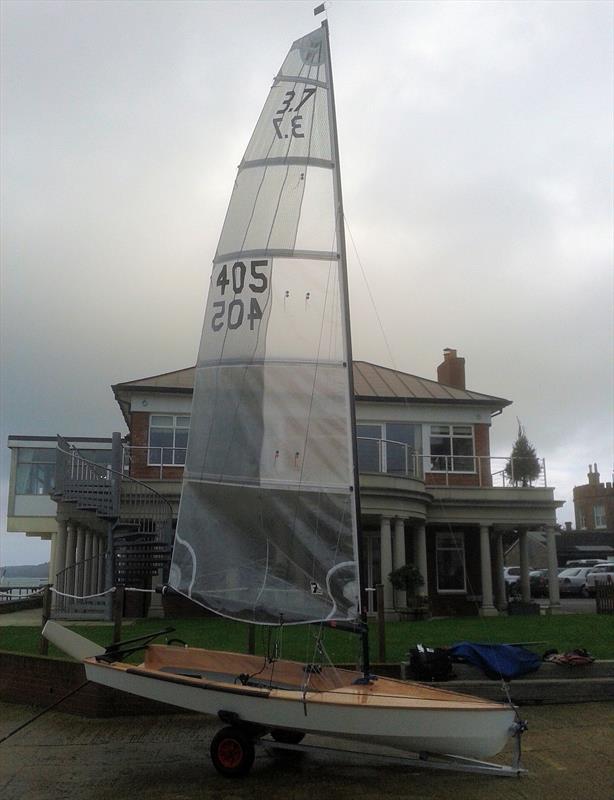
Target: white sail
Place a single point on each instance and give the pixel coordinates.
(267, 520)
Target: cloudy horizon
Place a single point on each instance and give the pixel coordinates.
(476, 157)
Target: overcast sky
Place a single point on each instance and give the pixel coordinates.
(476, 156)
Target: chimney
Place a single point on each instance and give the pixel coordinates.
(593, 475)
(568, 527)
(451, 371)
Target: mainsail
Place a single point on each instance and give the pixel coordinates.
(267, 520)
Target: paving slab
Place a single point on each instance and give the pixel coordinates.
(568, 751)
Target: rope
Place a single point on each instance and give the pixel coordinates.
(84, 596)
(44, 711)
(101, 594)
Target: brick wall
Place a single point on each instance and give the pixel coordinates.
(482, 448)
(41, 681)
(139, 439)
(586, 497)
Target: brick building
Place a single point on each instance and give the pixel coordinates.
(594, 503)
(431, 491)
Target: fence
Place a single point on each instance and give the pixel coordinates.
(604, 595)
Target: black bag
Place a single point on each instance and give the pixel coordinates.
(428, 664)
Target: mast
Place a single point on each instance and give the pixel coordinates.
(340, 224)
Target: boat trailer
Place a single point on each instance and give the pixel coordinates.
(233, 751)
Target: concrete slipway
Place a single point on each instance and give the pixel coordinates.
(568, 750)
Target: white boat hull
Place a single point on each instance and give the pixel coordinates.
(454, 731)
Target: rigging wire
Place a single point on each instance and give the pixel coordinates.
(453, 533)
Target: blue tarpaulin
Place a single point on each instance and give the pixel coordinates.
(497, 660)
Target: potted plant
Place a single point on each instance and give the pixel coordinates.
(409, 579)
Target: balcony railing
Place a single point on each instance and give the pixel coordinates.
(396, 458)
(384, 456)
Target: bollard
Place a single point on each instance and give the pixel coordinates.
(43, 645)
(251, 639)
(118, 612)
(381, 624)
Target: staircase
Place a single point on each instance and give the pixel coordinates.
(139, 523)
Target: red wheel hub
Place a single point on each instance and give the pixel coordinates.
(230, 753)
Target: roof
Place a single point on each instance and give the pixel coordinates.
(372, 382)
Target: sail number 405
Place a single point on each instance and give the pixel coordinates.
(232, 313)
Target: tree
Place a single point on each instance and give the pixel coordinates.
(406, 578)
(523, 466)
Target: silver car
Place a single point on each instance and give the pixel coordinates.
(573, 581)
(601, 575)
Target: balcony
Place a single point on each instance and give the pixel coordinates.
(381, 456)
(401, 460)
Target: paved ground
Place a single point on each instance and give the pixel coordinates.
(568, 751)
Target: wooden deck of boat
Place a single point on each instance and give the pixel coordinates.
(289, 680)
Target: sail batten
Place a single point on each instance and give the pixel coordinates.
(283, 161)
(317, 255)
(267, 522)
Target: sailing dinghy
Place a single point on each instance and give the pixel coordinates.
(269, 521)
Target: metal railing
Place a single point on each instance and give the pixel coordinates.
(396, 458)
(384, 456)
(159, 459)
(84, 482)
(140, 520)
(84, 578)
(9, 594)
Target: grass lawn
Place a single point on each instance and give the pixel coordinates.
(563, 632)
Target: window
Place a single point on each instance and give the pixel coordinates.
(168, 439)
(450, 561)
(388, 447)
(599, 516)
(35, 470)
(581, 520)
(369, 447)
(452, 448)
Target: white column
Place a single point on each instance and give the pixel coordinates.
(420, 557)
(386, 561)
(553, 573)
(399, 556)
(100, 546)
(89, 552)
(52, 558)
(525, 583)
(79, 556)
(60, 549)
(71, 545)
(501, 599)
(488, 609)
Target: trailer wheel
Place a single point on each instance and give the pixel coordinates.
(232, 752)
(287, 737)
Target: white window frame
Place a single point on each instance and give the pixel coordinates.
(458, 547)
(451, 427)
(383, 452)
(599, 517)
(162, 448)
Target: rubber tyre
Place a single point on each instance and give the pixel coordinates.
(584, 591)
(232, 752)
(288, 737)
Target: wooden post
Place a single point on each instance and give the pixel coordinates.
(118, 612)
(381, 624)
(43, 645)
(251, 639)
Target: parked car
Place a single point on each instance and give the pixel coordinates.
(584, 562)
(538, 580)
(600, 575)
(511, 575)
(573, 581)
